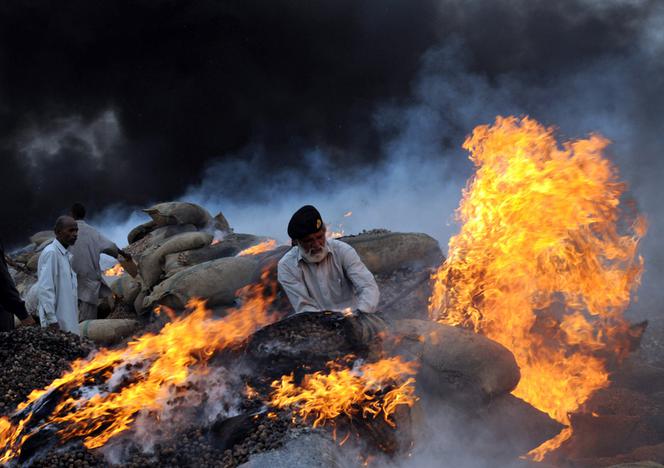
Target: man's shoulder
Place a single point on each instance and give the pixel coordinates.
(48, 254)
(49, 249)
(85, 228)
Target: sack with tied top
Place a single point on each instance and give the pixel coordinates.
(179, 213)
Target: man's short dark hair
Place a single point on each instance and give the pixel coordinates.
(78, 211)
(61, 222)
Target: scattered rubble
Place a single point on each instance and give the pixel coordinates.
(32, 358)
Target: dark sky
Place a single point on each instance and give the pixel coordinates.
(125, 102)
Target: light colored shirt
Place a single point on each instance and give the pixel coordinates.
(57, 288)
(337, 282)
(85, 262)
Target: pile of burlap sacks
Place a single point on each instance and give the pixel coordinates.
(184, 252)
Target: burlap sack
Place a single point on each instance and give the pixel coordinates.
(151, 262)
(157, 237)
(179, 213)
(42, 236)
(126, 288)
(140, 231)
(217, 281)
(383, 252)
(457, 363)
(229, 246)
(108, 331)
(33, 262)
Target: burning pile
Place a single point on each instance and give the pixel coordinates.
(156, 363)
(530, 301)
(156, 375)
(546, 261)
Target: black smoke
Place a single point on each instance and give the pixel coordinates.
(127, 102)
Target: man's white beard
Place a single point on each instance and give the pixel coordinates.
(314, 258)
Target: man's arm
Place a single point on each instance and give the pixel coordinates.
(296, 290)
(10, 299)
(107, 246)
(362, 279)
(46, 288)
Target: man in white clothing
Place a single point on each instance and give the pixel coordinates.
(321, 274)
(57, 285)
(85, 262)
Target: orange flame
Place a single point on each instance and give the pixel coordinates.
(158, 361)
(259, 248)
(325, 396)
(332, 234)
(544, 264)
(116, 270)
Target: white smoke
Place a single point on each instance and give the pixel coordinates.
(417, 182)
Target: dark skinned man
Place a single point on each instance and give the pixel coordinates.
(57, 284)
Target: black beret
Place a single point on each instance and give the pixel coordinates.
(305, 221)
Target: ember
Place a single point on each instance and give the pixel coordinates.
(545, 262)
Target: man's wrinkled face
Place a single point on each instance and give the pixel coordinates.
(313, 243)
(68, 234)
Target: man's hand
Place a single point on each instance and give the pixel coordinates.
(54, 326)
(28, 321)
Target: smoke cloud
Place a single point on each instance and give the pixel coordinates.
(255, 109)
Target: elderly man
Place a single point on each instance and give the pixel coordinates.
(10, 301)
(85, 262)
(56, 280)
(324, 274)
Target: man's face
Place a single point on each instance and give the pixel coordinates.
(313, 243)
(68, 234)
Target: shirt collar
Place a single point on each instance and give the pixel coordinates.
(60, 247)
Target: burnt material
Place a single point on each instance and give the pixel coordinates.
(230, 431)
(304, 343)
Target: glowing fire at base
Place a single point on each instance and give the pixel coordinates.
(158, 361)
(116, 270)
(325, 396)
(259, 248)
(545, 262)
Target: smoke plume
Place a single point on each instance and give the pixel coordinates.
(255, 108)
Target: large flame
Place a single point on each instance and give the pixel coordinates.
(545, 262)
(122, 383)
(323, 396)
(259, 248)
